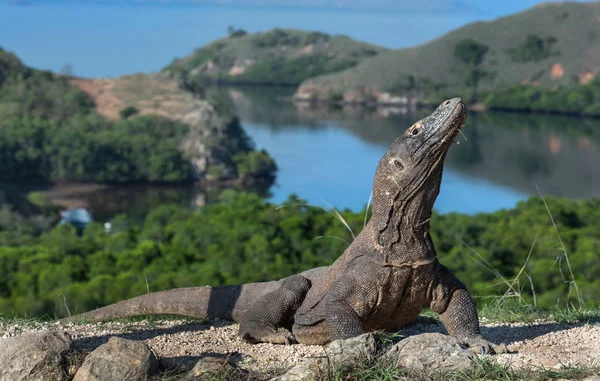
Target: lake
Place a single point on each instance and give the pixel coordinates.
(328, 157)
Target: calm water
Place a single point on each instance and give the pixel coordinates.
(328, 156)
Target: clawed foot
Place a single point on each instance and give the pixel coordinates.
(256, 333)
(484, 347)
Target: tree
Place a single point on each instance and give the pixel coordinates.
(128, 111)
(66, 70)
(472, 53)
(534, 48)
(233, 32)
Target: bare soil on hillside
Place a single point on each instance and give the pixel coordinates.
(156, 94)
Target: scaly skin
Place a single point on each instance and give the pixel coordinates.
(391, 270)
(381, 282)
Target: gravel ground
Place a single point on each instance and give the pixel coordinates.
(538, 345)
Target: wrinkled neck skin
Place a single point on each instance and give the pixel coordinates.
(402, 230)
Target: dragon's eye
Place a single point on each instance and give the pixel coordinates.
(415, 131)
(398, 164)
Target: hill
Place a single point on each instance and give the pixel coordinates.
(548, 45)
(138, 128)
(278, 57)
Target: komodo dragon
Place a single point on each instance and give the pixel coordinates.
(381, 282)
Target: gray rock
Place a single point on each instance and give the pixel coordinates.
(336, 353)
(430, 351)
(35, 356)
(119, 359)
(211, 365)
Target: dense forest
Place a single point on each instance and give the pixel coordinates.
(521, 251)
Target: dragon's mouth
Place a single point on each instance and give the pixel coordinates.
(454, 123)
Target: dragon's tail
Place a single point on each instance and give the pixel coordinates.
(224, 302)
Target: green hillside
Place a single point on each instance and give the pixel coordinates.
(29, 93)
(548, 45)
(279, 56)
(55, 128)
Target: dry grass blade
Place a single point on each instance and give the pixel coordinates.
(532, 289)
(516, 279)
(572, 282)
(367, 209)
(331, 211)
(491, 269)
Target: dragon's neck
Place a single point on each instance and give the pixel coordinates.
(405, 236)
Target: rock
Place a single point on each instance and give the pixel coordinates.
(337, 352)
(35, 356)
(212, 364)
(430, 351)
(119, 359)
(352, 349)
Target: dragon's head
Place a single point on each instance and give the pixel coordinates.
(412, 167)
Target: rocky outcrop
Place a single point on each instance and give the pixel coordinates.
(214, 136)
(52, 355)
(424, 352)
(118, 359)
(430, 351)
(35, 356)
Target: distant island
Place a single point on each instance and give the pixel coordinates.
(542, 60)
(280, 57)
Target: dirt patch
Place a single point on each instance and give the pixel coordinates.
(587, 77)
(557, 71)
(237, 70)
(101, 90)
(155, 93)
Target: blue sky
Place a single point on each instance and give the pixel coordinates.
(104, 38)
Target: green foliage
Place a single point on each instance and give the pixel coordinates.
(234, 33)
(255, 164)
(128, 111)
(486, 368)
(50, 131)
(575, 99)
(244, 239)
(472, 53)
(278, 56)
(533, 48)
(280, 37)
(433, 61)
(241, 239)
(285, 71)
(143, 148)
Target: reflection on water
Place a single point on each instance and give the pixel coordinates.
(107, 201)
(332, 153)
(328, 156)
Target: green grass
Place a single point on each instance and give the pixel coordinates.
(515, 312)
(482, 369)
